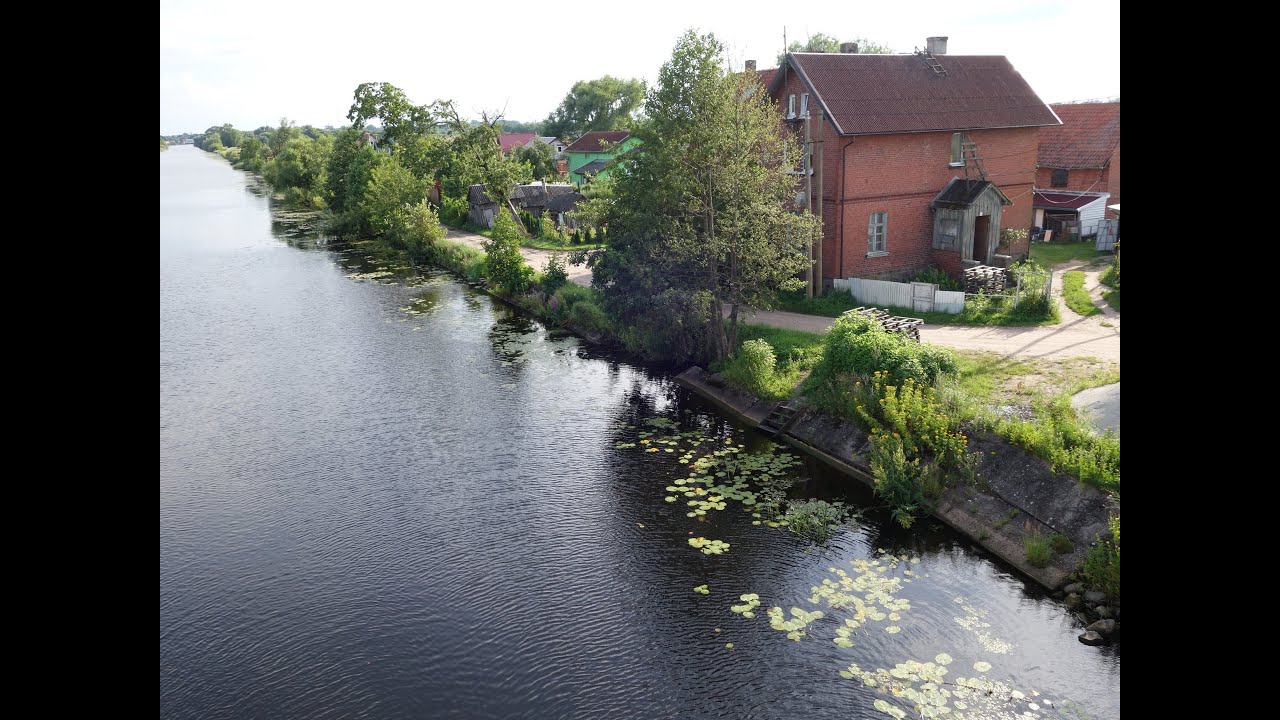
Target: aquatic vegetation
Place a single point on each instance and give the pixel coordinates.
(924, 689)
(375, 275)
(817, 520)
(702, 589)
(750, 601)
(974, 623)
(794, 627)
(710, 547)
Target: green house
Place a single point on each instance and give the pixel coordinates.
(590, 153)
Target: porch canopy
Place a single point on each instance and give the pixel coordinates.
(966, 219)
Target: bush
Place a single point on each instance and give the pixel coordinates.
(587, 316)
(817, 520)
(506, 266)
(453, 211)
(1112, 275)
(1102, 565)
(938, 276)
(752, 367)
(912, 414)
(556, 274)
(856, 344)
(897, 479)
(1034, 296)
(1037, 549)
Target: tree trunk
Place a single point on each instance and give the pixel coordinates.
(717, 346)
(733, 327)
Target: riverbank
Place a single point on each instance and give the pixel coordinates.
(1017, 493)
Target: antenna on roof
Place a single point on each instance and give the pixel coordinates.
(932, 62)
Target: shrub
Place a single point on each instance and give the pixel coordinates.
(1112, 275)
(587, 316)
(857, 344)
(1037, 549)
(752, 367)
(556, 274)
(897, 479)
(938, 276)
(506, 266)
(1102, 565)
(1010, 236)
(1061, 544)
(817, 520)
(913, 414)
(453, 211)
(1033, 298)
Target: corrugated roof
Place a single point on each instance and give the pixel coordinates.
(1088, 135)
(511, 141)
(591, 142)
(565, 202)
(1064, 200)
(879, 94)
(591, 168)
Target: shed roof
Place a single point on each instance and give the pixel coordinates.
(1087, 137)
(962, 193)
(594, 141)
(591, 168)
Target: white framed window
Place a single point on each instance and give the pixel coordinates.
(957, 149)
(877, 225)
(804, 105)
(791, 105)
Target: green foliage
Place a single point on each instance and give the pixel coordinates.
(1034, 301)
(1037, 549)
(301, 163)
(453, 211)
(1056, 253)
(540, 158)
(163, 145)
(1061, 544)
(821, 43)
(912, 414)
(938, 276)
(753, 368)
(253, 155)
(342, 162)
(858, 345)
(698, 221)
(459, 258)
(1068, 443)
(505, 264)
(1111, 277)
(1101, 569)
(897, 479)
(817, 520)
(607, 103)
(555, 275)
(1076, 297)
(400, 118)
(587, 315)
(391, 191)
(1011, 236)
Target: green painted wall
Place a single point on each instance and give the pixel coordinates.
(578, 159)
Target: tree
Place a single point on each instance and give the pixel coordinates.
(515, 126)
(400, 118)
(282, 135)
(392, 190)
(821, 43)
(604, 104)
(346, 144)
(506, 266)
(703, 217)
(539, 157)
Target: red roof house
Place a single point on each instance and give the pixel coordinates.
(511, 141)
(914, 159)
(1083, 153)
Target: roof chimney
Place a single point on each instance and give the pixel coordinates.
(936, 45)
(849, 48)
(751, 66)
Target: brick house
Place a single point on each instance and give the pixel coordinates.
(1083, 153)
(916, 159)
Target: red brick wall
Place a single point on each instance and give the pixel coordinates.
(901, 174)
(1086, 179)
(1113, 181)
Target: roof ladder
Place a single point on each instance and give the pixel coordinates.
(932, 62)
(973, 170)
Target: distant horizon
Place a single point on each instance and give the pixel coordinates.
(285, 65)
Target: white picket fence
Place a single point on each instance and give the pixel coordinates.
(914, 296)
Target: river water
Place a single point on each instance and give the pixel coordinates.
(390, 496)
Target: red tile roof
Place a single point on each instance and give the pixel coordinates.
(1062, 200)
(511, 141)
(591, 142)
(766, 76)
(1088, 135)
(880, 94)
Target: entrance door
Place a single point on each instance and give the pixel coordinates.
(981, 226)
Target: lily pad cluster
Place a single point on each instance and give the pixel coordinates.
(750, 601)
(974, 623)
(702, 589)
(870, 594)
(710, 547)
(375, 275)
(923, 688)
(795, 625)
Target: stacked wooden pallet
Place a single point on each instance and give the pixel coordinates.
(908, 326)
(985, 278)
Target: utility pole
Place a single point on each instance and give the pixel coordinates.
(816, 110)
(808, 197)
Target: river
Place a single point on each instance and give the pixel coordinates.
(391, 496)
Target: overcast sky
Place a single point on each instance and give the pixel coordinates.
(252, 62)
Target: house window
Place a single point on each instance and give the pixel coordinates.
(957, 149)
(1059, 178)
(804, 105)
(948, 233)
(875, 233)
(791, 105)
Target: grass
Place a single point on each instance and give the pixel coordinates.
(993, 312)
(1056, 253)
(795, 354)
(988, 379)
(1113, 299)
(999, 524)
(1076, 297)
(802, 348)
(1037, 548)
(1061, 544)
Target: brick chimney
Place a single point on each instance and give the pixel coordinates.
(937, 45)
(751, 66)
(849, 48)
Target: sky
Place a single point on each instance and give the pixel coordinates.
(253, 62)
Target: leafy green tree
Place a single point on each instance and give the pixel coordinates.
(346, 145)
(391, 192)
(230, 136)
(539, 157)
(607, 103)
(252, 154)
(515, 126)
(820, 43)
(506, 266)
(699, 221)
(400, 118)
(281, 136)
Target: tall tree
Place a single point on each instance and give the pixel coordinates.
(604, 104)
(400, 118)
(703, 216)
(821, 43)
(539, 157)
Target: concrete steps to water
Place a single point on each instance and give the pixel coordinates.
(780, 418)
